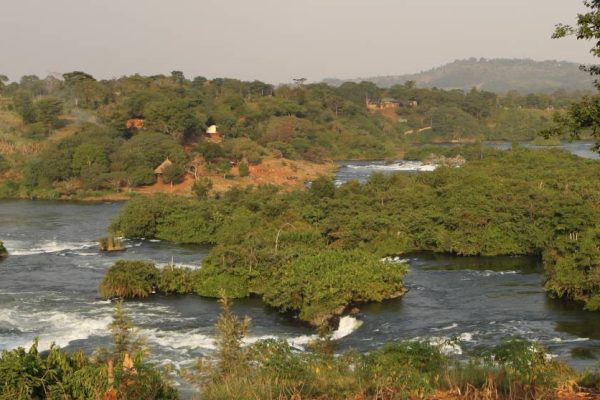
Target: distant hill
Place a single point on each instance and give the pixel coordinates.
(494, 75)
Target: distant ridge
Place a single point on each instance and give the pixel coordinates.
(494, 75)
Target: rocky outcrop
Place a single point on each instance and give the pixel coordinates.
(110, 244)
(452, 162)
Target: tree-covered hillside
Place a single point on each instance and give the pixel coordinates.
(59, 137)
(494, 75)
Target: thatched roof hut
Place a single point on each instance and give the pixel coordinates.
(162, 167)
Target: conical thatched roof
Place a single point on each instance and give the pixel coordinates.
(161, 168)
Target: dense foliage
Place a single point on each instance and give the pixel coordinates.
(499, 203)
(79, 136)
(129, 279)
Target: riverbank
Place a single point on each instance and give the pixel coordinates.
(286, 174)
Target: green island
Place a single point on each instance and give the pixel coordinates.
(268, 242)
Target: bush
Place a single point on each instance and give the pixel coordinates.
(244, 170)
(175, 280)
(129, 279)
(338, 278)
(174, 173)
(412, 368)
(140, 177)
(323, 187)
(3, 251)
(202, 188)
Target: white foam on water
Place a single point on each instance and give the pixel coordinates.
(52, 327)
(23, 248)
(489, 273)
(466, 336)
(191, 267)
(446, 328)
(178, 339)
(575, 340)
(300, 342)
(447, 346)
(346, 327)
(416, 166)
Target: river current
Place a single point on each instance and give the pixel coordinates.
(48, 289)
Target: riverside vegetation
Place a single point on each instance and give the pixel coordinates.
(269, 369)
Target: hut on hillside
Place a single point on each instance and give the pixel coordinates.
(213, 134)
(383, 104)
(162, 167)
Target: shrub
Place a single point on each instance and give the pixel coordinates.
(338, 278)
(202, 188)
(412, 368)
(175, 280)
(129, 279)
(244, 170)
(174, 173)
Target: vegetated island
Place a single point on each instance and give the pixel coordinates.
(319, 251)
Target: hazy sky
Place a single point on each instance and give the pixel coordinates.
(276, 40)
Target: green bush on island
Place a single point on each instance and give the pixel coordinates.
(337, 278)
(573, 268)
(175, 280)
(3, 251)
(130, 279)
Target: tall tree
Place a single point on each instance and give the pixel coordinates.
(584, 115)
(48, 111)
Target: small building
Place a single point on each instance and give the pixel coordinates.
(162, 167)
(213, 135)
(383, 104)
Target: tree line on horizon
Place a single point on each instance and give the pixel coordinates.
(79, 133)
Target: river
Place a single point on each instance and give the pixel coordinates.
(49, 289)
(361, 170)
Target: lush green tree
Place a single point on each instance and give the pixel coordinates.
(48, 109)
(202, 188)
(174, 173)
(173, 117)
(586, 114)
(23, 104)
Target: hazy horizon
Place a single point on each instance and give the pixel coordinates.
(276, 40)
